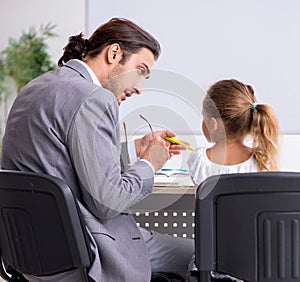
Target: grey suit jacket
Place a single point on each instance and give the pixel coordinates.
(64, 125)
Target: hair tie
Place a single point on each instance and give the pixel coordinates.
(253, 106)
(86, 43)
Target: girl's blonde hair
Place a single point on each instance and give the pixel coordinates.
(235, 103)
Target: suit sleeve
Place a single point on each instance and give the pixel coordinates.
(107, 189)
(125, 158)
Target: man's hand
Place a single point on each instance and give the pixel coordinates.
(157, 152)
(147, 148)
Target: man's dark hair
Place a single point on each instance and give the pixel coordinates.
(127, 34)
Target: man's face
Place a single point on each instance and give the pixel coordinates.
(127, 79)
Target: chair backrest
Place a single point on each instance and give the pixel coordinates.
(248, 226)
(41, 229)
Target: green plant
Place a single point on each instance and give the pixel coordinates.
(26, 58)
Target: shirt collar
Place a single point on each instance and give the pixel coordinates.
(91, 73)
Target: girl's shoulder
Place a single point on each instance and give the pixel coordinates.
(197, 160)
(198, 164)
(197, 154)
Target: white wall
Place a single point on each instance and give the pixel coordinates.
(17, 16)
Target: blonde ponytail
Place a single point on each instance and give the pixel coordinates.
(265, 132)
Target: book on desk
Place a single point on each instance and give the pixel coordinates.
(172, 177)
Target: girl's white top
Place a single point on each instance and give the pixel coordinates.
(200, 167)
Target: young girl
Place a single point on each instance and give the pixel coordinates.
(230, 114)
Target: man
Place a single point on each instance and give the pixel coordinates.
(66, 124)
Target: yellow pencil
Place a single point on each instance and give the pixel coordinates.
(176, 141)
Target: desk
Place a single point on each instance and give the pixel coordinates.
(168, 210)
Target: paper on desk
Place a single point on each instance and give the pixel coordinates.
(172, 171)
(174, 180)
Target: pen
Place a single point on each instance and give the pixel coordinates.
(176, 141)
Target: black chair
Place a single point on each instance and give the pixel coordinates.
(248, 226)
(41, 229)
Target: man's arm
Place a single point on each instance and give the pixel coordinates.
(95, 150)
